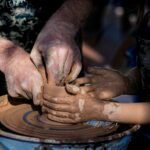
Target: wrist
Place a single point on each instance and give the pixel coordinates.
(70, 16)
(60, 29)
(98, 110)
(109, 111)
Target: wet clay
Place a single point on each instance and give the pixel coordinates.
(4, 104)
(26, 121)
(59, 91)
(55, 91)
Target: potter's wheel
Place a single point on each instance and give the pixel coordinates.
(26, 121)
(21, 122)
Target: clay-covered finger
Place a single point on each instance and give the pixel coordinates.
(36, 56)
(85, 80)
(38, 62)
(60, 119)
(52, 68)
(37, 94)
(42, 71)
(67, 65)
(87, 88)
(73, 89)
(58, 62)
(75, 70)
(58, 107)
(58, 113)
(56, 100)
(99, 70)
(106, 94)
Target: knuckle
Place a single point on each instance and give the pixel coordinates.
(12, 93)
(104, 95)
(53, 112)
(24, 85)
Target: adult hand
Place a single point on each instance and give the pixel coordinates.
(73, 110)
(57, 54)
(103, 84)
(55, 48)
(22, 77)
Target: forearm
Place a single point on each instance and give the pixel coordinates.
(133, 113)
(70, 16)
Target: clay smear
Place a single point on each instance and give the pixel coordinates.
(110, 110)
(81, 104)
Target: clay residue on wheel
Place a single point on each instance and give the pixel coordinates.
(26, 121)
(4, 104)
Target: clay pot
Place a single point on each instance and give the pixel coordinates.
(55, 91)
(59, 91)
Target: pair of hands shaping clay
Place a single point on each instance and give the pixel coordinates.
(83, 100)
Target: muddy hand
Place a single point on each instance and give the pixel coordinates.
(72, 110)
(58, 54)
(102, 83)
(22, 77)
